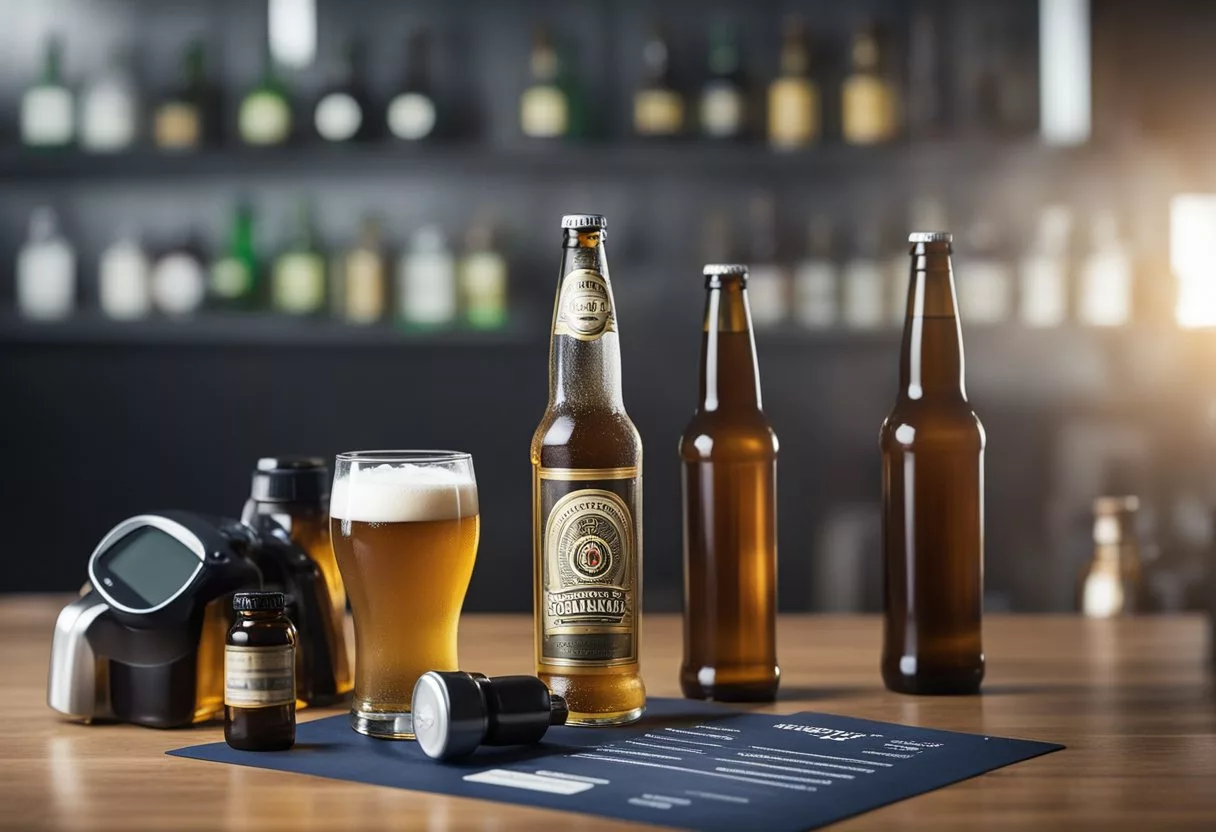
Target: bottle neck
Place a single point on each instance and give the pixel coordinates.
(259, 615)
(730, 376)
(931, 361)
(585, 353)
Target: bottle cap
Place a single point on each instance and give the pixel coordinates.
(259, 601)
(930, 237)
(582, 222)
(290, 479)
(724, 269)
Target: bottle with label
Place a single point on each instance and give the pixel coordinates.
(411, 113)
(870, 114)
(483, 280)
(341, 111)
(48, 117)
(723, 105)
(985, 289)
(817, 279)
(124, 281)
(46, 270)
(110, 109)
(189, 116)
(362, 298)
(1112, 584)
(793, 98)
(179, 280)
(265, 117)
(1044, 270)
(658, 108)
(863, 287)
(1106, 276)
(427, 281)
(769, 282)
(234, 276)
(297, 283)
(259, 674)
(544, 107)
(587, 499)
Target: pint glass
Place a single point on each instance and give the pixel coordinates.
(405, 526)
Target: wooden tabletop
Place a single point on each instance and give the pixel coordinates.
(1132, 700)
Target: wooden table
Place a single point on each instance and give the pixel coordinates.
(1132, 700)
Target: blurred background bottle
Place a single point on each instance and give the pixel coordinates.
(234, 274)
(46, 270)
(48, 117)
(817, 278)
(411, 113)
(870, 105)
(1044, 269)
(124, 287)
(110, 109)
(985, 286)
(1106, 275)
(723, 108)
(265, 116)
(544, 109)
(658, 108)
(179, 281)
(297, 284)
(188, 117)
(341, 113)
(793, 98)
(363, 279)
(862, 288)
(427, 280)
(1112, 583)
(768, 283)
(483, 279)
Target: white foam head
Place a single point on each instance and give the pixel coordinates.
(403, 494)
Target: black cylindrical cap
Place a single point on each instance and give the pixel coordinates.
(259, 601)
(291, 479)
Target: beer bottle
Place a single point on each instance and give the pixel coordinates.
(587, 499)
(933, 495)
(730, 511)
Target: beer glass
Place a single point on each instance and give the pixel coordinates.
(404, 526)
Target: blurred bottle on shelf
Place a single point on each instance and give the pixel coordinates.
(110, 108)
(1044, 270)
(124, 279)
(870, 106)
(48, 117)
(544, 108)
(862, 287)
(179, 280)
(234, 275)
(188, 117)
(817, 279)
(427, 281)
(483, 280)
(411, 114)
(341, 111)
(1112, 584)
(768, 283)
(985, 290)
(265, 117)
(1106, 275)
(793, 98)
(658, 108)
(46, 270)
(297, 283)
(723, 108)
(717, 237)
(363, 281)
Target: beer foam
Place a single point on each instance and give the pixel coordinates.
(403, 494)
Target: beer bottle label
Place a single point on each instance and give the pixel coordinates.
(589, 523)
(584, 307)
(259, 677)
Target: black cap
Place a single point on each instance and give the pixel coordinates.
(259, 601)
(291, 479)
(584, 221)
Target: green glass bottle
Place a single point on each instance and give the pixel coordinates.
(298, 281)
(234, 276)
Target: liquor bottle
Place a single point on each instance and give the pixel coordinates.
(870, 105)
(1044, 270)
(1106, 276)
(768, 282)
(362, 299)
(179, 280)
(234, 275)
(1112, 584)
(265, 116)
(124, 280)
(483, 280)
(297, 284)
(793, 98)
(723, 106)
(933, 496)
(817, 279)
(46, 270)
(412, 114)
(48, 117)
(189, 116)
(110, 108)
(427, 281)
(729, 456)
(985, 291)
(863, 288)
(341, 111)
(544, 107)
(658, 109)
(587, 499)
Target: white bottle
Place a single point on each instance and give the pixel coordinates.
(984, 283)
(427, 280)
(123, 279)
(48, 108)
(768, 284)
(817, 281)
(1044, 270)
(46, 270)
(109, 110)
(863, 287)
(1106, 276)
(179, 283)
(483, 281)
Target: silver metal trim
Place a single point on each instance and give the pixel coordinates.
(432, 709)
(170, 527)
(77, 682)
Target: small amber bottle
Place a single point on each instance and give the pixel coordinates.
(259, 674)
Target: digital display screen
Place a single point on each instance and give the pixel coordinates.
(153, 564)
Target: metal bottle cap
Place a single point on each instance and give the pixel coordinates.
(291, 479)
(584, 221)
(723, 269)
(930, 237)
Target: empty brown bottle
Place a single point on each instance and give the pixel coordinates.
(730, 511)
(933, 496)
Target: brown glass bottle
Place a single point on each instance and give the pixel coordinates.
(730, 511)
(933, 496)
(259, 675)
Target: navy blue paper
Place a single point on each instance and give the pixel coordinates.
(687, 764)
